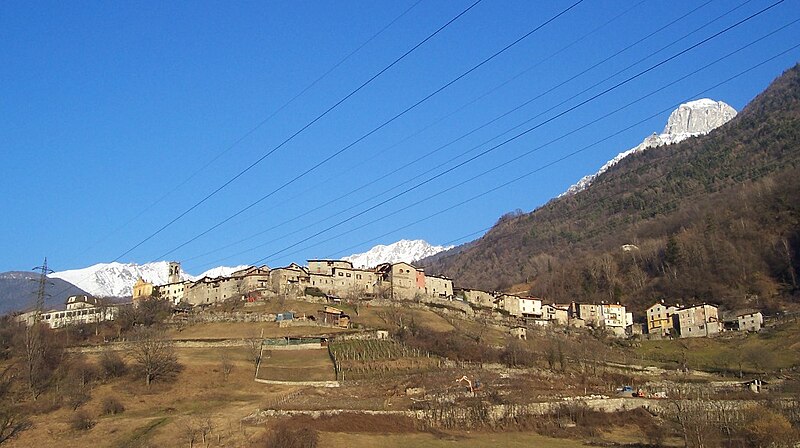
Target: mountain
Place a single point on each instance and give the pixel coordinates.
(713, 218)
(690, 119)
(403, 250)
(117, 279)
(18, 291)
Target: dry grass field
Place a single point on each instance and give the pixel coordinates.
(205, 402)
(466, 440)
(296, 365)
(172, 414)
(247, 330)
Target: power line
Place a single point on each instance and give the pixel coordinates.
(619, 109)
(592, 98)
(437, 121)
(422, 174)
(299, 131)
(259, 124)
(567, 156)
(374, 130)
(296, 133)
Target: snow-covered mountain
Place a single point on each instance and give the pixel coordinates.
(689, 120)
(117, 279)
(403, 250)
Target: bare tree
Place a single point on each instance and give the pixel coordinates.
(225, 365)
(154, 355)
(12, 420)
(41, 355)
(253, 346)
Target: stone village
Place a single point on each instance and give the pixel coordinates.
(335, 281)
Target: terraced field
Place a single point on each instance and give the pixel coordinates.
(296, 365)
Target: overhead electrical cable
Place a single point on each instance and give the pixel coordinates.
(567, 156)
(422, 174)
(641, 168)
(425, 128)
(299, 131)
(376, 129)
(560, 114)
(259, 125)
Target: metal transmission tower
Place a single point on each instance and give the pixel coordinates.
(41, 294)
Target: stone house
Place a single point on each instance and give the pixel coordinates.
(509, 303)
(476, 298)
(588, 313)
(354, 283)
(438, 286)
(659, 318)
(253, 279)
(323, 282)
(399, 278)
(173, 292)
(325, 266)
(750, 320)
(519, 332)
(697, 321)
(556, 314)
(611, 316)
(292, 279)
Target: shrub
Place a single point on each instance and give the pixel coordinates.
(314, 292)
(284, 437)
(80, 421)
(769, 428)
(112, 406)
(112, 364)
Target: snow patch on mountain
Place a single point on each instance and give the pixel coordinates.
(403, 250)
(690, 119)
(117, 279)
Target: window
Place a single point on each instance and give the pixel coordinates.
(340, 274)
(348, 274)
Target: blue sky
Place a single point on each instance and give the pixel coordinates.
(109, 107)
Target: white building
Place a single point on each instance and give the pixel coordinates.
(80, 310)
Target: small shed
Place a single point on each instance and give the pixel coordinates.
(284, 316)
(520, 333)
(334, 316)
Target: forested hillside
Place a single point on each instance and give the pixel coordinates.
(714, 218)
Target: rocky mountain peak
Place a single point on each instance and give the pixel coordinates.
(698, 117)
(690, 119)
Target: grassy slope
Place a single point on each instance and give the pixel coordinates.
(778, 348)
(476, 439)
(297, 365)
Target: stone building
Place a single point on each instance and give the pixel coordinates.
(750, 320)
(697, 321)
(173, 292)
(142, 289)
(438, 286)
(555, 314)
(253, 279)
(476, 297)
(289, 280)
(659, 318)
(326, 266)
(400, 280)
